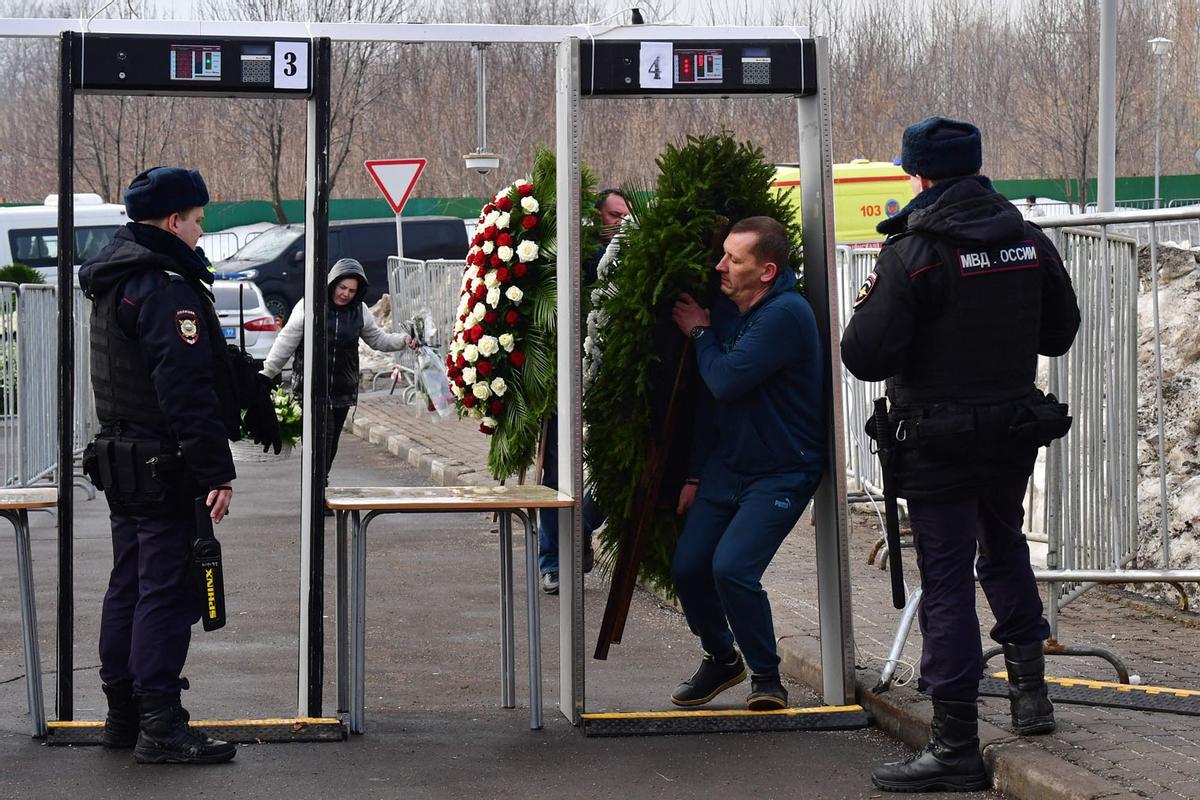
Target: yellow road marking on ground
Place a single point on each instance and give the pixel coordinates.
(1120, 687)
(722, 713)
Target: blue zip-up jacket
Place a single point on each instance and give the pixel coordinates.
(764, 369)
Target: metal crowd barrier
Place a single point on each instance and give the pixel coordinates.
(862, 467)
(428, 289)
(1184, 232)
(28, 388)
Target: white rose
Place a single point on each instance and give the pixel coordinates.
(503, 220)
(456, 347)
(505, 252)
(514, 293)
(499, 387)
(480, 311)
(506, 341)
(464, 303)
(488, 346)
(459, 327)
(529, 205)
(468, 374)
(469, 322)
(493, 296)
(479, 227)
(488, 247)
(490, 280)
(458, 390)
(491, 422)
(491, 218)
(470, 353)
(474, 283)
(527, 251)
(481, 390)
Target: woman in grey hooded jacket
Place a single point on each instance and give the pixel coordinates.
(346, 321)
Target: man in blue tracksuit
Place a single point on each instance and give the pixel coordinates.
(763, 367)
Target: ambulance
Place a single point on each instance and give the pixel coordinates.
(864, 193)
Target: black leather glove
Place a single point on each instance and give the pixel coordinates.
(261, 422)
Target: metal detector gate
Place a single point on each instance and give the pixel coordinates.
(730, 66)
(204, 66)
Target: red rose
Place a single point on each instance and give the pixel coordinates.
(502, 274)
(525, 189)
(511, 317)
(496, 260)
(485, 429)
(489, 208)
(497, 408)
(476, 334)
(517, 358)
(477, 241)
(460, 362)
(479, 258)
(489, 233)
(480, 291)
(519, 269)
(504, 204)
(469, 401)
(504, 240)
(483, 367)
(528, 222)
(449, 360)
(489, 317)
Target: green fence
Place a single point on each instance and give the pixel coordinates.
(221, 215)
(1173, 187)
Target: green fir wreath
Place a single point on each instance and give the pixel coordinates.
(704, 185)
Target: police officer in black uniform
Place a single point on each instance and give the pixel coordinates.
(166, 397)
(964, 297)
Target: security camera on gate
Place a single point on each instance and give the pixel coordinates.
(483, 163)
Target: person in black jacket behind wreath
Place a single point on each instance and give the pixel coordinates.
(965, 296)
(167, 395)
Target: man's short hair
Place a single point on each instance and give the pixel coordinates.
(604, 194)
(1031, 199)
(771, 239)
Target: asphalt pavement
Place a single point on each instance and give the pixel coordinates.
(434, 725)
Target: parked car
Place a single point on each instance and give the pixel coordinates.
(274, 260)
(29, 234)
(243, 312)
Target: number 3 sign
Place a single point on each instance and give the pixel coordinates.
(291, 65)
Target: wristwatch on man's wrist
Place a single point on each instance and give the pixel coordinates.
(698, 331)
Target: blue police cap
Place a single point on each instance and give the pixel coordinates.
(937, 148)
(161, 191)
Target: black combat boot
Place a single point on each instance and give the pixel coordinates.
(1032, 711)
(712, 678)
(121, 724)
(949, 763)
(166, 738)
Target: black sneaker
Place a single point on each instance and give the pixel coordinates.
(766, 693)
(712, 678)
(550, 583)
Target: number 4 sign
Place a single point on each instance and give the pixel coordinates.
(655, 66)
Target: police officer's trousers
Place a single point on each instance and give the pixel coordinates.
(732, 532)
(946, 536)
(149, 609)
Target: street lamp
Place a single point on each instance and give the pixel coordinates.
(1160, 48)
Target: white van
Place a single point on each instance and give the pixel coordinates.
(29, 234)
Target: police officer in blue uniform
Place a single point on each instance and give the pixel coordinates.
(167, 399)
(965, 295)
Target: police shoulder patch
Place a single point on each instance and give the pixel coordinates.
(189, 329)
(864, 291)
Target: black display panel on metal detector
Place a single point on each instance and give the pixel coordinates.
(689, 68)
(173, 65)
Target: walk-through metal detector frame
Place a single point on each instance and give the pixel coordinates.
(124, 70)
(829, 503)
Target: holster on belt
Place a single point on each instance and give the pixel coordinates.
(131, 471)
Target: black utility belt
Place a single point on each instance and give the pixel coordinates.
(1036, 421)
(132, 470)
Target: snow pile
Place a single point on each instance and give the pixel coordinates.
(1179, 311)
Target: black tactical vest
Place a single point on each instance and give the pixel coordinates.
(982, 347)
